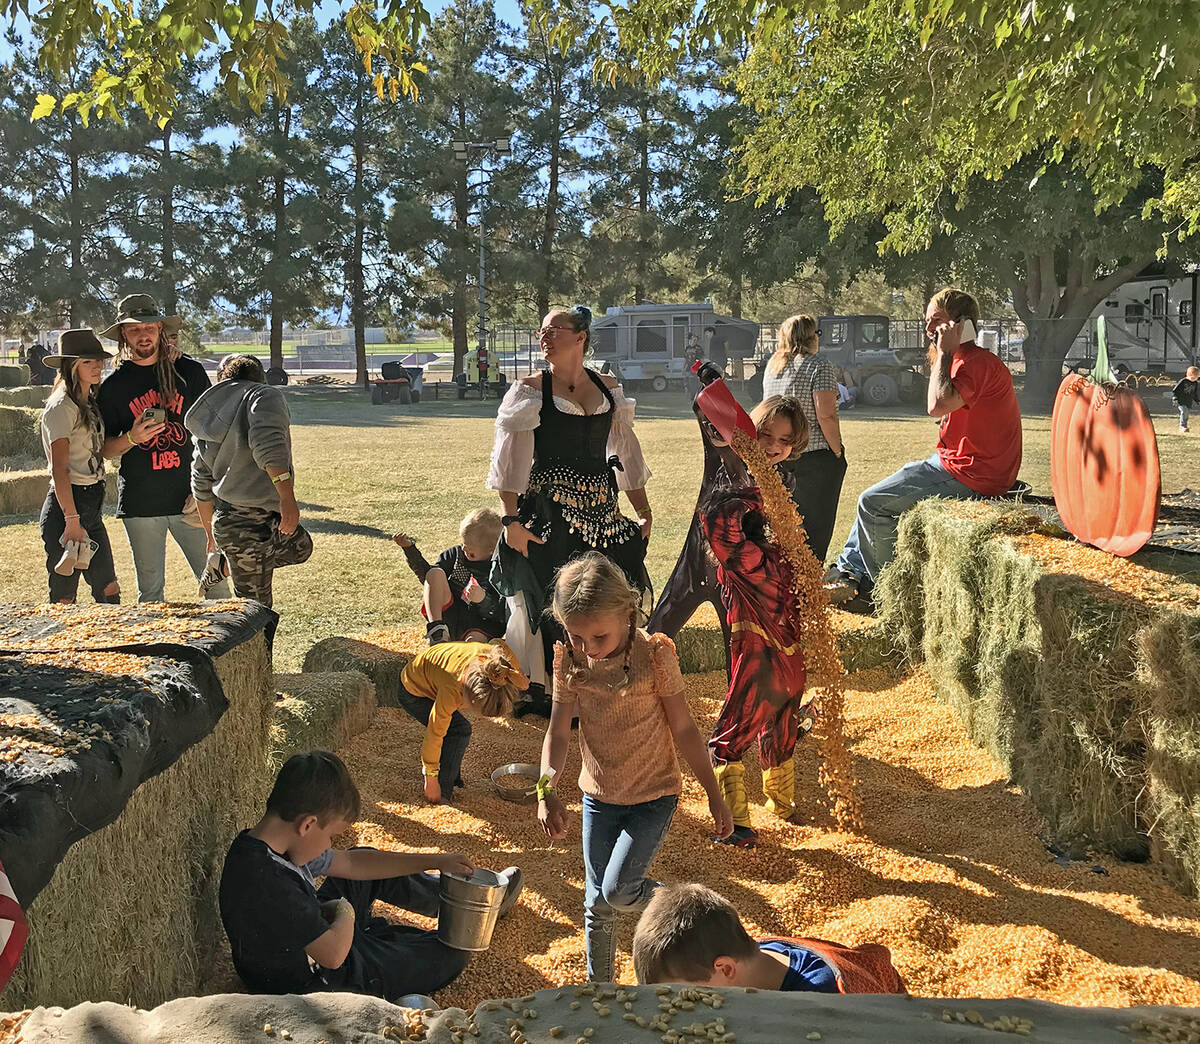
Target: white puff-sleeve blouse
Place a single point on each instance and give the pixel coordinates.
(520, 413)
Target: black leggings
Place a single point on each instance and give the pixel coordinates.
(818, 479)
(100, 573)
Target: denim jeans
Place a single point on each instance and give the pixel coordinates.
(148, 543)
(1184, 413)
(454, 744)
(872, 542)
(619, 843)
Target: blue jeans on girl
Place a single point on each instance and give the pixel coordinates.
(619, 843)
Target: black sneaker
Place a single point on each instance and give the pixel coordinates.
(863, 603)
(514, 880)
(742, 837)
(537, 701)
(437, 632)
(840, 586)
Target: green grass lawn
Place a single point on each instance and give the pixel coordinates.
(363, 472)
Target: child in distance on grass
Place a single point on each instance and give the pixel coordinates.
(459, 602)
(690, 934)
(626, 688)
(438, 684)
(288, 936)
(1187, 396)
(766, 698)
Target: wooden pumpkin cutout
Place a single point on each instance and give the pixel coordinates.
(1104, 459)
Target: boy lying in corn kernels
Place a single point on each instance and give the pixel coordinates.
(690, 934)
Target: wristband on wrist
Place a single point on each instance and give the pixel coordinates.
(645, 513)
(282, 477)
(70, 516)
(544, 786)
(129, 436)
(508, 520)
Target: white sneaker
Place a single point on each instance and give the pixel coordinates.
(214, 572)
(66, 564)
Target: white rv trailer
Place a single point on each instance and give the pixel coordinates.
(1151, 325)
(646, 342)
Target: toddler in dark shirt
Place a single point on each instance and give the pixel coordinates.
(459, 602)
(289, 936)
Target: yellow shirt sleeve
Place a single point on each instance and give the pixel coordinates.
(445, 703)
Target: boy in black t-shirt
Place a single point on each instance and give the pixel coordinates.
(288, 936)
(459, 601)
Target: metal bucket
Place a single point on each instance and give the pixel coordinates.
(468, 908)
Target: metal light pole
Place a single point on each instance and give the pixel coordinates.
(464, 151)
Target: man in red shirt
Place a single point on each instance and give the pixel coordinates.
(978, 452)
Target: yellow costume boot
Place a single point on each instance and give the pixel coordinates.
(731, 778)
(779, 786)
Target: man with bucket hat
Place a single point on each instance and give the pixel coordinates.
(143, 402)
(71, 520)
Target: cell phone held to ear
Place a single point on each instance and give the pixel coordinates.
(154, 415)
(967, 332)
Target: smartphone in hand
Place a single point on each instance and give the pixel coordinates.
(155, 415)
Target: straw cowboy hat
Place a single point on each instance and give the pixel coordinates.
(78, 344)
(140, 308)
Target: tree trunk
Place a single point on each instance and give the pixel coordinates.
(169, 294)
(1047, 342)
(280, 252)
(357, 304)
(553, 174)
(735, 296)
(643, 234)
(75, 305)
(1055, 313)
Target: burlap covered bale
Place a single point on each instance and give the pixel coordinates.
(131, 912)
(34, 395)
(380, 655)
(1170, 659)
(13, 375)
(318, 711)
(1039, 659)
(20, 431)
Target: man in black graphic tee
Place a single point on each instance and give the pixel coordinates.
(154, 482)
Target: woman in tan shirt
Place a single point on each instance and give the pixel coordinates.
(627, 691)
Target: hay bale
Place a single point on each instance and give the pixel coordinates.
(319, 711)
(34, 395)
(701, 646)
(23, 492)
(131, 912)
(14, 375)
(1041, 663)
(1170, 650)
(20, 431)
(381, 656)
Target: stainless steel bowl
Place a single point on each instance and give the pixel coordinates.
(521, 796)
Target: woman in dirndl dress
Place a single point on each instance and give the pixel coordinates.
(564, 447)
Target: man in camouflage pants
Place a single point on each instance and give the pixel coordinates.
(255, 546)
(242, 477)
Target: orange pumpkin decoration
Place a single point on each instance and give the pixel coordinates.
(1104, 460)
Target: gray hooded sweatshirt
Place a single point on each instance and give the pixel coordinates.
(240, 428)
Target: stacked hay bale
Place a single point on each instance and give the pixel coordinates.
(380, 655)
(131, 912)
(1070, 667)
(14, 376)
(20, 433)
(319, 711)
(34, 395)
